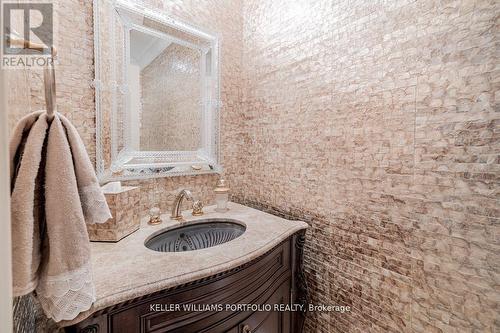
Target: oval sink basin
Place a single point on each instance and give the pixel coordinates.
(201, 235)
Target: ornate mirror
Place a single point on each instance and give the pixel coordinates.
(157, 94)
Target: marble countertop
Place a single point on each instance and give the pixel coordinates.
(127, 269)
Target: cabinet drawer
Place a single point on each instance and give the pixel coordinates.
(269, 322)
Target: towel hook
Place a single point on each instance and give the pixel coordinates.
(49, 81)
(49, 75)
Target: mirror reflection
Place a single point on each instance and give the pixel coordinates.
(165, 94)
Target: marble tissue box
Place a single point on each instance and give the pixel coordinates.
(124, 206)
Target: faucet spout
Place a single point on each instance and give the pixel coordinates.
(176, 208)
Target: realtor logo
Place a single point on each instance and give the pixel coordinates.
(32, 22)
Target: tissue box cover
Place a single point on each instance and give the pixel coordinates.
(124, 206)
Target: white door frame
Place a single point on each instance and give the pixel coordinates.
(5, 241)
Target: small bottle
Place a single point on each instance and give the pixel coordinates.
(221, 196)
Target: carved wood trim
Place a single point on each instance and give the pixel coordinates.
(300, 288)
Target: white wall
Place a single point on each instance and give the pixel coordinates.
(5, 246)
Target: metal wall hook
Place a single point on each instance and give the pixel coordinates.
(49, 81)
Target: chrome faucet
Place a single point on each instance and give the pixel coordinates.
(176, 208)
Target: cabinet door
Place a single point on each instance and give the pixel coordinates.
(270, 322)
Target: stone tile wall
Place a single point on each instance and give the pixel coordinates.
(377, 122)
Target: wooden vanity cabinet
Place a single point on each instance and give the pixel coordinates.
(274, 278)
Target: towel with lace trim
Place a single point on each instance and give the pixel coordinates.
(54, 194)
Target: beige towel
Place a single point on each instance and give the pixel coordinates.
(54, 193)
(95, 208)
(26, 204)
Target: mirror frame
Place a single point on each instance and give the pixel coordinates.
(153, 163)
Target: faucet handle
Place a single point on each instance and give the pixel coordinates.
(197, 208)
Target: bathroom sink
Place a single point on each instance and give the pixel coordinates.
(200, 235)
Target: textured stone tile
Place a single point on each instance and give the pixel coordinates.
(376, 121)
(126, 217)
